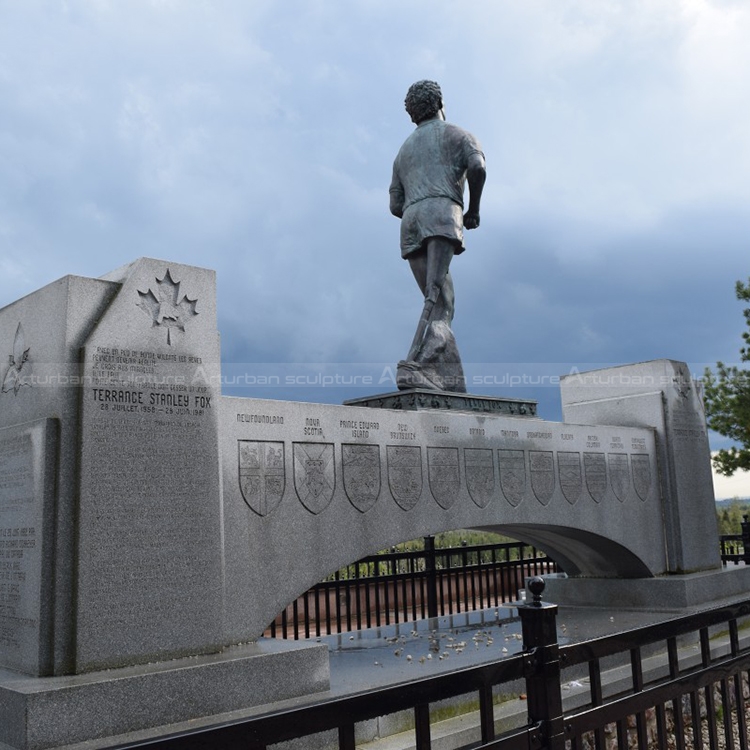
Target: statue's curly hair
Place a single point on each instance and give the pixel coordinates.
(423, 100)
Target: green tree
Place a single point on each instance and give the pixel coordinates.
(730, 518)
(727, 398)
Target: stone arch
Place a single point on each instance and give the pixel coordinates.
(578, 552)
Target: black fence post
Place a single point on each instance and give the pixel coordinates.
(541, 649)
(431, 577)
(745, 540)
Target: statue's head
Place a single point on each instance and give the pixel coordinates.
(423, 100)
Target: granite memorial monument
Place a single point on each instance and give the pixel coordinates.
(151, 528)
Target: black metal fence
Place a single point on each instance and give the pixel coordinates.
(695, 699)
(401, 586)
(735, 548)
(396, 587)
(732, 549)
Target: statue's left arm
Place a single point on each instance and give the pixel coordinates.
(396, 192)
(476, 173)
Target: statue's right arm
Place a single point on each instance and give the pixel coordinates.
(475, 176)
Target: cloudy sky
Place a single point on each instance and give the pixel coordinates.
(256, 137)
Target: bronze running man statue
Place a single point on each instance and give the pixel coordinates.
(427, 193)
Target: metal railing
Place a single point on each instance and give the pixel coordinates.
(735, 548)
(696, 700)
(395, 587)
(732, 549)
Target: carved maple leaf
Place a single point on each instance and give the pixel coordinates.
(16, 361)
(165, 308)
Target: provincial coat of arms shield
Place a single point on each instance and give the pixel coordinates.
(512, 475)
(261, 474)
(361, 469)
(595, 468)
(443, 473)
(619, 475)
(314, 475)
(641, 465)
(405, 474)
(571, 480)
(480, 475)
(542, 466)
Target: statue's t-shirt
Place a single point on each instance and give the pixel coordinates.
(429, 175)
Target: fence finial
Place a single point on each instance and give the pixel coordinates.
(536, 586)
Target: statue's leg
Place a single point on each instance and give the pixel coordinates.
(438, 282)
(430, 269)
(433, 361)
(418, 265)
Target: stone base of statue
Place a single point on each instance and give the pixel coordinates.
(437, 366)
(422, 399)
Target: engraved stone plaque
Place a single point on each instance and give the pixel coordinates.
(512, 475)
(542, 465)
(361, 467)
(27, 503)
(480, 475)
(619, 475)
(641, 466)
(405, 474)
(443, 472)
(314, 475)
(571, 481)
(595, 468)
(261, 474)
(149, 570)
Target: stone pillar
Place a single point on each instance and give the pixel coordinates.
(40, 339)
(660, 394)
(149, 584)
(110, 507)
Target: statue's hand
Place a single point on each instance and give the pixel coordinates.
(471, 220)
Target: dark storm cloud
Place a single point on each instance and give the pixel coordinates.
(257, 139)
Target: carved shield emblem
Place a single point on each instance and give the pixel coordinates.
(595, 468)
(17, 373)
(480, 475)
(641, 465)
(361, 468)
(542, 465)
(619, 475)
(314, 475)
(261, 474)
(443, 473)
(405, 474)
(571, 480)
(512, 475)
